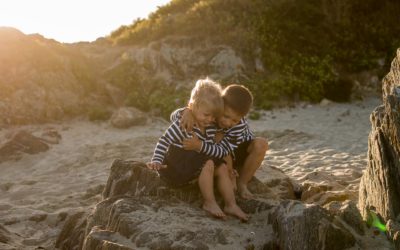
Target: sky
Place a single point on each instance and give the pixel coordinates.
(73, 20)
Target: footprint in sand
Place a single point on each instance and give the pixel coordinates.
(28, 182)
(6, 186)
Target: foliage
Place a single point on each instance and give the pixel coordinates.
(99, 114)
(306, 46)
(312, 43)
(254, 115)
(145, 92)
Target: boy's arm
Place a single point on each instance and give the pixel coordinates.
(185, 118)
(231, 140)
(171, 135)
(176, 115)
(249, 134)
(219, 150)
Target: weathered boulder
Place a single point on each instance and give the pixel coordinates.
(139, 210)
(179, 60)
(303, 226)
(126, 117)
(349, 213)
(277, 184)
(72, 235)
(380, 185)
(22, 142)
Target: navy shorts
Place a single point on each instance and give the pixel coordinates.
(184, 166)
(241, 155)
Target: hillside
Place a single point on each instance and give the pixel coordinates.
(43, 80)
(284, 51)
(305, 50)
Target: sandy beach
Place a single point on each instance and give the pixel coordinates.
(324, 145)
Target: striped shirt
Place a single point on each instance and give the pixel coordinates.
(233, 137)
(174, 136)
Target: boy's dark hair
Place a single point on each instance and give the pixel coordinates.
(238, 98)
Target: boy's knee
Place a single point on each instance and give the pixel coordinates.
(260, 145)
(222, 169)
(209, 166)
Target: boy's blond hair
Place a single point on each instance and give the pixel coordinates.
(207, 93)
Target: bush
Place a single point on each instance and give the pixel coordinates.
(305, 45)
(99, 114)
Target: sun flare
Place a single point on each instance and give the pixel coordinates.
(73, 21)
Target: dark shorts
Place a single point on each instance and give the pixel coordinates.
(241, 155)
(184, 166)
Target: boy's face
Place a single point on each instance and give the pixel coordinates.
(203, 116)
(229, 118)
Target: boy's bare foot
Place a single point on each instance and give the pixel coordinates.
(235, 210)
(214, 210)
(244, 192)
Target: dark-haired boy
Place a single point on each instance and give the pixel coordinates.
(238, 141)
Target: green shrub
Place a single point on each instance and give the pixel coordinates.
(156, 96)
(99, 114)
(254, 115)
(306, 46)
(144, 91)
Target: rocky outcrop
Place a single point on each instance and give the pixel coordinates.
(139, 210)
(42, 80)
(380, 184)
(24, 142)
(177, 60)
(300, 226)
(126, 117)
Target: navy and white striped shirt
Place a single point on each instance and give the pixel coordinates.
(232, 137)
(174, 136)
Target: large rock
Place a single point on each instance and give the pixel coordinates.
(72, 235)
(139, 210)
(22, 142)
(304, 226)
(380, 184)
(177, 60)
(126, 117)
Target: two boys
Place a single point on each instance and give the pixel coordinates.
(242, 150)
(234, 147)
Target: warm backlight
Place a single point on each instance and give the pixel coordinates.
(73, 20)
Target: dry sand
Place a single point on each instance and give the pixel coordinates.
(325, 145)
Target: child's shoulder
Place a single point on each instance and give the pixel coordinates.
(242, 125)
(175, 124)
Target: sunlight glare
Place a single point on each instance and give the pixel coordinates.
(73, 20)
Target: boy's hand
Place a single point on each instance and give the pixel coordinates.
(234, 173)
(219, 136)
(187, 121)
(155, 166)
(193, 143)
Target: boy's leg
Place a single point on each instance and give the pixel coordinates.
(232, 172)
(256, 152)
(206, 184)
(225, 188)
